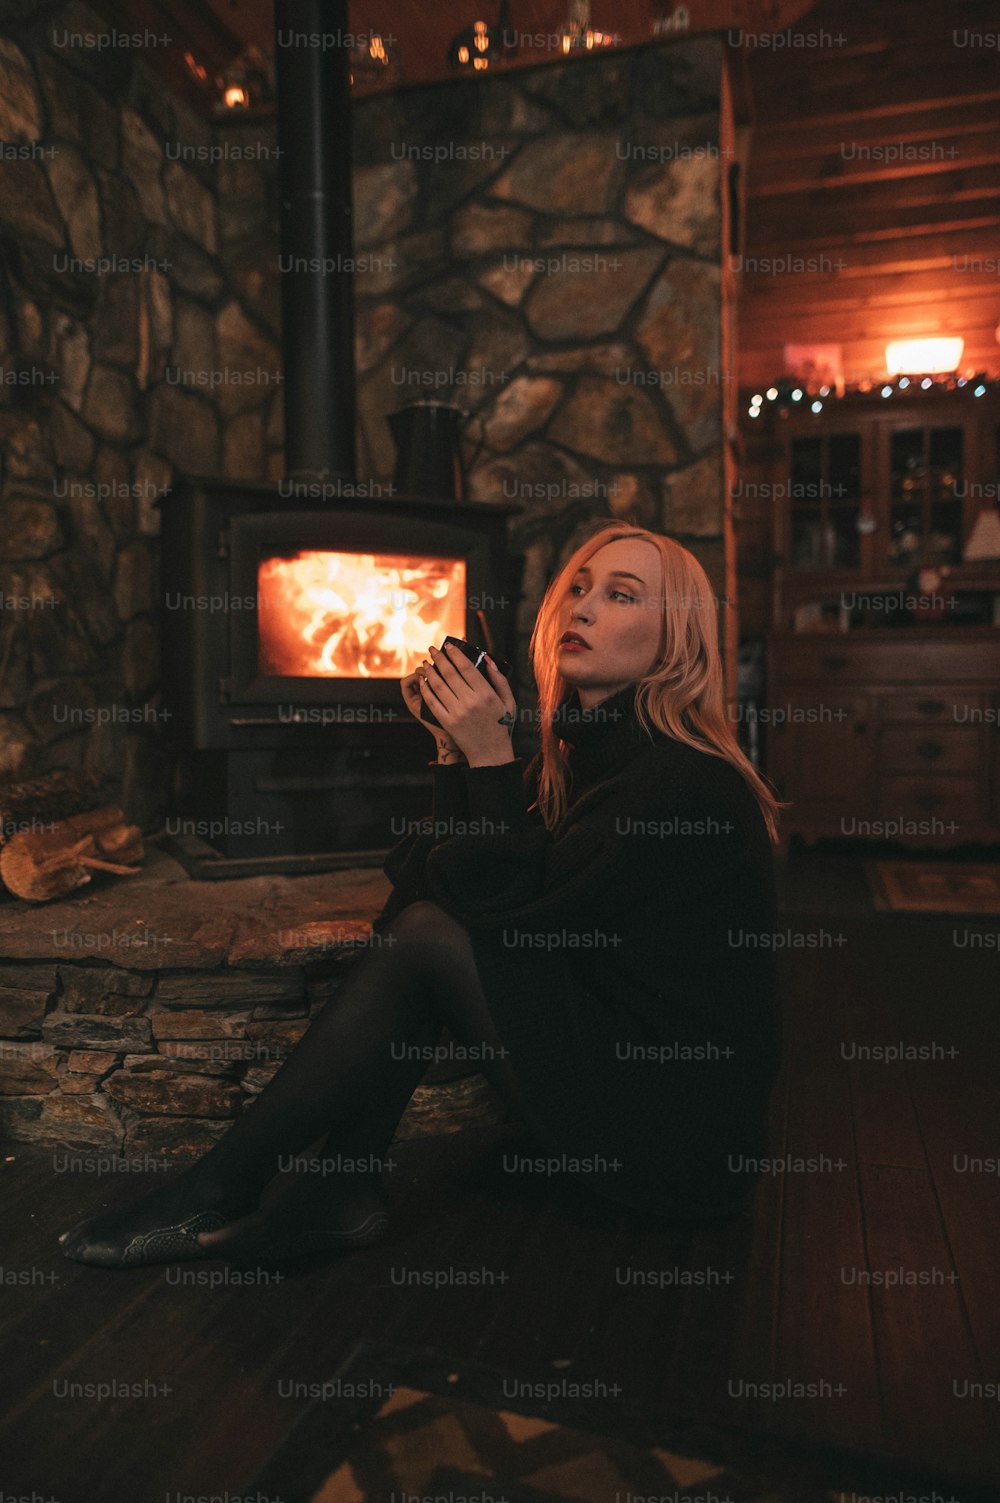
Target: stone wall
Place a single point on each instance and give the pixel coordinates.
(134, 339)
(141, 1062)
(543, 248)
(158, 1064)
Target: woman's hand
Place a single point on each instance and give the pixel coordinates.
(413, 699)
(469, 709)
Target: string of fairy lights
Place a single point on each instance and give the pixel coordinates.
(789, 395)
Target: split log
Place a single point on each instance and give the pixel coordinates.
(42, 865)
(29, 802)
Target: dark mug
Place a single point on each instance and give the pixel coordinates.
(477, 657)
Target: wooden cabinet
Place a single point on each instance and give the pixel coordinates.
(820, 747)
(868, 492)
(880, 713)
(886, 734)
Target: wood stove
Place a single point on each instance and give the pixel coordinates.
(291, 611)
(286, 631)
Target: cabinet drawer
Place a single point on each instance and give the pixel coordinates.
(910, 660)
(931, 748)
(950, 801)
(941, 704)
(828, 659)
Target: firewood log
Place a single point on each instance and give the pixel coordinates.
(47, 864)
(50, 796)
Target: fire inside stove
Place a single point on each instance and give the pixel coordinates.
(355, 615)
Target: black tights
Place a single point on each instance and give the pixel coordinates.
(353, 1072)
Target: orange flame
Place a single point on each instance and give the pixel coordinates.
(355, 615)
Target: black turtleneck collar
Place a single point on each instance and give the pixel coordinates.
(603, 734)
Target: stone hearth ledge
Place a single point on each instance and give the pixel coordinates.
(140, 1016)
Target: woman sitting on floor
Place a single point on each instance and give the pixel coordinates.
(597, 928)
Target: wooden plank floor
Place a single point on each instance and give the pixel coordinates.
(785, 1297)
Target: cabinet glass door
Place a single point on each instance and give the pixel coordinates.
(926, 467)
(825, 501)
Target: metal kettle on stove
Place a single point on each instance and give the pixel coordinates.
(428, 450)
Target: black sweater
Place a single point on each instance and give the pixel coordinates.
(628, 957)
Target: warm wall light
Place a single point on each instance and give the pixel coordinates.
(373, 58)
(480, 45)
(577, 33)
(918, 357)
(246, 83)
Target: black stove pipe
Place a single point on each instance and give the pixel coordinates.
(317, 286)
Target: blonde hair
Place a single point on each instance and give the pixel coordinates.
(682, 696)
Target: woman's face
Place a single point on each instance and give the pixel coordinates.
(615, 604)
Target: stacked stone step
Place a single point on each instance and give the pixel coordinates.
(160, 1063)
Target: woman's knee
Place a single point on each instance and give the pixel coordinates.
(425, 926)
(422, 917)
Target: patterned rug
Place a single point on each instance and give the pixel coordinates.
(408, 1427)
(935, 886)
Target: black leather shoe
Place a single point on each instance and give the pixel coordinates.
(162, 1244)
